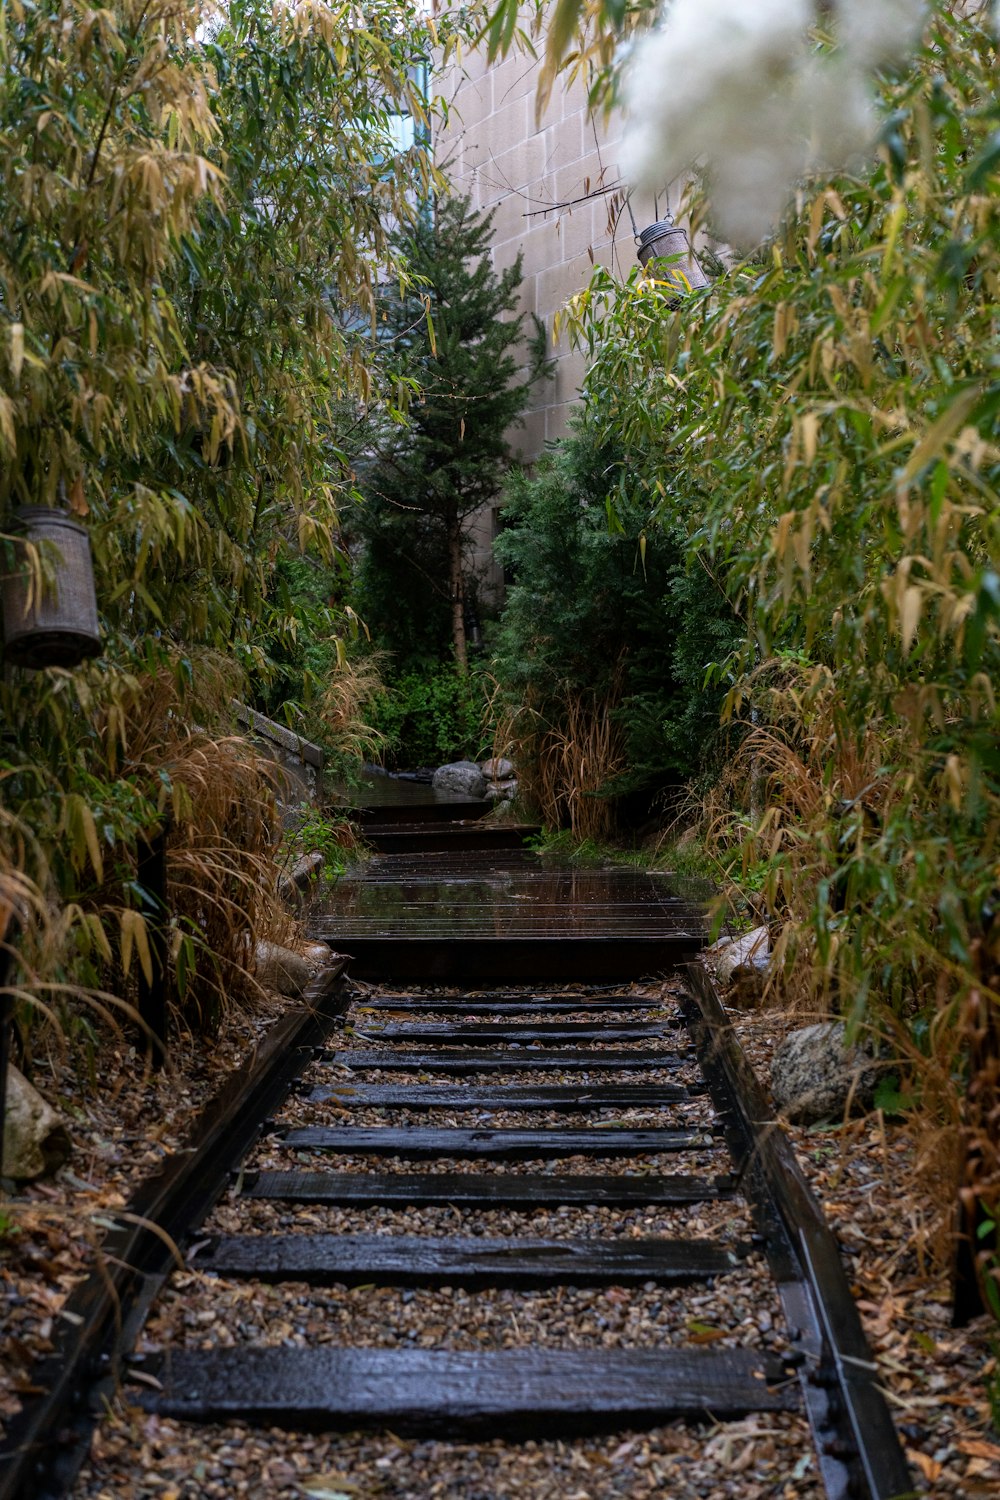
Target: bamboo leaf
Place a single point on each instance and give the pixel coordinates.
(934, 439)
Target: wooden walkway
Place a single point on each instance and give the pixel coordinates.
(464, 896)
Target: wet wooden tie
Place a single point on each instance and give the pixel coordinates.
(450, 1392)
(513, 1392)
(456, 905)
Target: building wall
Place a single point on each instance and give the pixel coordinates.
(556, 190)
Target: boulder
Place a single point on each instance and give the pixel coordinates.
(461, 776)
(501, 791)
(750, 949)
(316, 955)
(282, 970)
(35, 1139)
(302, 874)
(497, 769)
(747, 984)
(815, 1075)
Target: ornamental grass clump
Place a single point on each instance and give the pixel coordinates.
(568, 758)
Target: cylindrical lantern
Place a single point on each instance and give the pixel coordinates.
(665, 238)
(50, 613)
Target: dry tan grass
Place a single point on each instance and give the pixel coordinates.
(815, 805)
(216, 797)
(566, 759)
(343, 705)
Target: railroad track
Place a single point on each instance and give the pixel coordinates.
(500, 1145)
(577, 1107)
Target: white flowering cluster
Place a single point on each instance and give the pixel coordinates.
(739, 86)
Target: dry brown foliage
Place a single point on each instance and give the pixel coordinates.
(215, 796)
(353, 687)
(566, 758)
(829, 820)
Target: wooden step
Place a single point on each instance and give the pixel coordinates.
(418, 1260)
(562, 1096)
(442, 1393)
(513, 1061)
(544, 1005)
(440, 838)
(412, 803)
(476, 1190)
(431, 952)
(495, 1145)
(536, 1034)
(521, 994)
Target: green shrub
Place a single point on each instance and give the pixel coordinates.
(432, 715)
(602, 613)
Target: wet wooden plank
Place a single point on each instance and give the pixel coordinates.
(457, 1394)
(562, 1096)
(414, 1144)
(463, 1261)
(402, 838)
(543, 1005)
(430, 952)
(512, 995)
(469, 1190)
(537, 1034)
(384, 799)
(514, 1060)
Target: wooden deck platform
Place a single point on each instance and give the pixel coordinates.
(491, 910)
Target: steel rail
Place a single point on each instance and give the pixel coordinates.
(47, 1441)
(859, 1451)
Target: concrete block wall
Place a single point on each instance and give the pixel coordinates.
(557, 192)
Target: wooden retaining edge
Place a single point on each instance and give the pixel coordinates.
(860, 1454)
(48, 1439)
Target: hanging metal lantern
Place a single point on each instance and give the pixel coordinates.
(666, 239)
(49, 613)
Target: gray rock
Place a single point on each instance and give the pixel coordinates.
(35, 1140)
(747, 984)
(732, 953)
(461, 776)
(282, 970)
(316, 955)
(501, 791)
(816, 1076)
(497, 769)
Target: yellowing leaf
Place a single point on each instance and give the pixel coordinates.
(16, 350)
(909, 614)
(934, 439)
(133, 931)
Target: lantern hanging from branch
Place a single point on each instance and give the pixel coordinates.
(666, 241)
(49, 603)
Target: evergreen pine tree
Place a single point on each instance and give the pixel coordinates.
(455, 336)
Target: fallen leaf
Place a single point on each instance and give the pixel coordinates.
(978, 1448)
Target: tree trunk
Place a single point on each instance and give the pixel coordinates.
(457, 583)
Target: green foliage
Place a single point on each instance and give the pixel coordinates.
(823, 426)
(601, 606)
(193, 220)
(431, 715)
(558, 846)
(453, 336)
(324, 833)
(305, 641)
